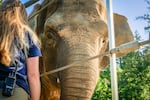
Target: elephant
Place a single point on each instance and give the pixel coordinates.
(70, 31)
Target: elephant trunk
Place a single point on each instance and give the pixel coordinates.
(79, 81)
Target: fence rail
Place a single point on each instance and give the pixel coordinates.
(124, 48)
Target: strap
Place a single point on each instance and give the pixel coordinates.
(16, 66)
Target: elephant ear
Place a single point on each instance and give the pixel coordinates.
(123, 35)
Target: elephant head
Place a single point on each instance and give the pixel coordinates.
(75, 30)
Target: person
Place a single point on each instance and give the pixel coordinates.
(19, 54)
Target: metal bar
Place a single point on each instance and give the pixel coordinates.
(113, 67)
(37, 12)
(124, 48)
(30, 2)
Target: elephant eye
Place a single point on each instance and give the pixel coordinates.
(103, 41)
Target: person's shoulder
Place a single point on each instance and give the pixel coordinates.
(34, 49)
(29, 38)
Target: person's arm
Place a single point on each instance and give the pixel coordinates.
(34, 77)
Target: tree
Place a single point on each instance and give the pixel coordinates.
(0, 2)
(103, 88)
(133, 78)
(146, 17)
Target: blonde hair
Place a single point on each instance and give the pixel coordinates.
(14, 24)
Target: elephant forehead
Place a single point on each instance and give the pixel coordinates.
(77, 26)
(100, 27)
(75, 19)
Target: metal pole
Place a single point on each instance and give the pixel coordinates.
(113, 66)
(29, 3)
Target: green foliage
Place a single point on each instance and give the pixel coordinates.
(134, 81)
(133, 78)
(1, 2)
(103, 90)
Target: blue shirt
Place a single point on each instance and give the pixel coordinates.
(20, 58)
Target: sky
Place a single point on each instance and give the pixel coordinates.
(130, 9)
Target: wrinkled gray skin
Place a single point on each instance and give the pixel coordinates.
(73, 30)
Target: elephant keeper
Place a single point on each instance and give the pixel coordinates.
(19, 54)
